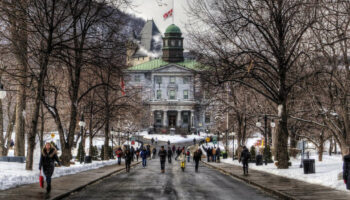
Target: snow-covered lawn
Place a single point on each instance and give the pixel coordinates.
(14, 174)
(326, 171)
(174, 138)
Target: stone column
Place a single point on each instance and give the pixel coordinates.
(178, 121)
(192, 119)
(165, 118)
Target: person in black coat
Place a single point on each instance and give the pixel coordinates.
(346, 170)
(197, 157)
(170, 154)
(127, 157)
(162, 156)
(245, 156)
(47, 162)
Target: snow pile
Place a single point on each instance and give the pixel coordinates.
(14, 174)
(326, 171)
(174, 138)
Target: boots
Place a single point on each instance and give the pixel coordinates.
(48, 188)
(163, 170)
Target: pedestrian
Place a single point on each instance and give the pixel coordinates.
(209, 152)
(144, 157)
(197, 157)
(245, 156)
(168, 142)
(182, 159)
(346, 170)
(214, 154)
(154, 152)
(162, 156)
(170, 154)
(156, 140)
(188, 154)
(119, 154)
(174, 148)
(12, 144)
(148, 151)
(194, 141)
(137, 154)
(47, 162)
(127, 157)
(152, 140)
(218, 154)
(132, 152)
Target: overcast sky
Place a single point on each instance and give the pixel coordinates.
(150, 9)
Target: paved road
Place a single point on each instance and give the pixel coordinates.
(149, 183)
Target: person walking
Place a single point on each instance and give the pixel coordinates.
(346, 170)
(47, 162)
(152, 140)
(197, 157)
(162, 156)
(154, 152)
(178, 151)
(132, 152)
(127, 157)
(214, 154)
(182, 159)
(218, 154)
(188, 154)
(137, 154)
(245, 156)
(119, 154)
(168, 142)
(194, 141)
(170, 154)
(156, 140)
(144, 157)
(174, 148)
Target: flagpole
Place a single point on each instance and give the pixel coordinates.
(173, 12)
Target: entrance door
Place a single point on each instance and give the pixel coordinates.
(172, 119)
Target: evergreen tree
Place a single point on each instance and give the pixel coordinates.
(102, 152)
(110, 152)
(252, 152)
(81, 153)
(267, 154)
(94, 153)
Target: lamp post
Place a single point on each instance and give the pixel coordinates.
(112, 134)
(233, 145)
(82, 125)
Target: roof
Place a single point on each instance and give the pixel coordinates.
(157, 63)
(147, 34)
(173, 29)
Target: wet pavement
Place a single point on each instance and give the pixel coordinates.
(149, 183)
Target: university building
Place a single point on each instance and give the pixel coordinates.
(170, 89)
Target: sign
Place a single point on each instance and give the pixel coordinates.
(52, 135)
(215, 139)
(207, 139)
(133, 142)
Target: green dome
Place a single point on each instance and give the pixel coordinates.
(173, 29)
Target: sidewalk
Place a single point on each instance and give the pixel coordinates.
(62, 186)
(284, 188)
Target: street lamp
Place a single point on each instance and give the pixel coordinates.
(82, 125)
(258, 124)
(112, 134)
(2, 91)
(273, 124)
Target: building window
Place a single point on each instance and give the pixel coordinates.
(172, 43)
(172, 94)
(185, 94)
(179, 43)
(186, 79)
(159, 94)
(185, 118)
(158, 79)
(166, 43)
(137, 78)
(158, 118)
(172, 79)
(207, 118)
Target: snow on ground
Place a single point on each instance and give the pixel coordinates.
(326, 171)
(174, 138)
(14, 174)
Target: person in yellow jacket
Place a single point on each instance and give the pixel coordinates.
(182, 159)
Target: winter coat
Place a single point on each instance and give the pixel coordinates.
(346, 171)
(245, 156)
(182, 157)
(143, 154)
(197, 156)
(47, 161)
(127, 156)
(119, 153)
(170, 153)
(154, 151)
(214, 152)
(162, 155)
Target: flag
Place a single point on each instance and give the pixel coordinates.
(250, 66)
(168, 14)
(122, 85)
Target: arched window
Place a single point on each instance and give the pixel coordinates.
(166, 43)
(173, 43)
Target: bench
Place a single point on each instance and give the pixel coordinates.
(19, 159)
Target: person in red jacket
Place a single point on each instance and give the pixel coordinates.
(119, 154)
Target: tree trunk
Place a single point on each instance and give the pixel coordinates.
(9, 130)
(106, 153)
(282, 138)
(330, 146)
(293, 139)
(42, 126)
(2, 140)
